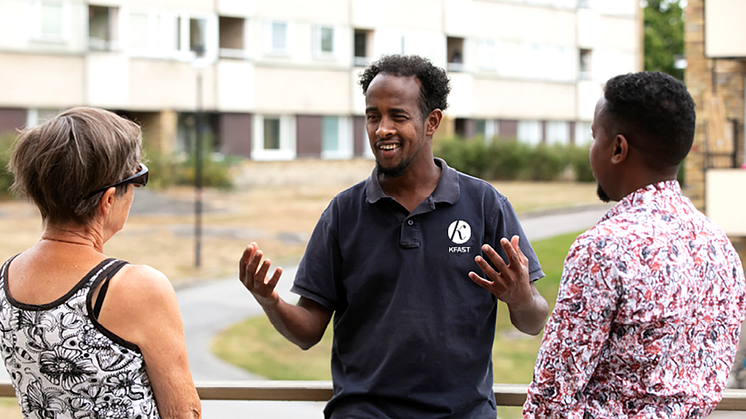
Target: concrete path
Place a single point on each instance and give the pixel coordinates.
(207, 310)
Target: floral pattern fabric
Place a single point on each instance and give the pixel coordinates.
(63, 364)
(647, 318)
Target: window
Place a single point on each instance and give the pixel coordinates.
(455, 52)
(486, 53)
(585, 64)
(336, 138)
(103, 28)
(279, 36)
(36, 116)
(276, 39)
(529, 132)
(558, 132)
(362, 43)
(485, 128)
(271, 133)
(480, 127)
(197, 35)
(153, 33)
(273, 137)
(583, 133)
(50, 20)
(460, 127)
(323, 40)
(139, 28)
(231, 37)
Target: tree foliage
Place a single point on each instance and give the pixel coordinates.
(664, 36)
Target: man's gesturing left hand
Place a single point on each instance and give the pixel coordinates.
(510, 284)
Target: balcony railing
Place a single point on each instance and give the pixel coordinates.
(321, 391)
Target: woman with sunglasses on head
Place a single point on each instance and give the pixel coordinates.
(84, 335)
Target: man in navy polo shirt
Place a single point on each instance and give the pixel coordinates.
(394, 257)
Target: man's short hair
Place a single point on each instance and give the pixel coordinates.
(434, 82)
(655, 113)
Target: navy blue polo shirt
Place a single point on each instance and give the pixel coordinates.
(413, 333)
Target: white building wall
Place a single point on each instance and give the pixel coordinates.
(29, 83)
(299, 91)
(513, 99)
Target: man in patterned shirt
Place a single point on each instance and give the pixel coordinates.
(651, 299)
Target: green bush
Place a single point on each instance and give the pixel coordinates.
(511, 160)
(171, 169)
(581, 165)
(508, 159)
(6, 178)
(547, 163)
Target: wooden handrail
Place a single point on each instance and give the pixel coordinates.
(321, 391)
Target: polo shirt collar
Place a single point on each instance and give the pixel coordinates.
(447, 191)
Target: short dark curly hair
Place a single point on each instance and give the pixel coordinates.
(434, 82)
(656, 114)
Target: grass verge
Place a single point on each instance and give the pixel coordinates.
(255, 346)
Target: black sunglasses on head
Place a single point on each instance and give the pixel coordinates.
(138, 180)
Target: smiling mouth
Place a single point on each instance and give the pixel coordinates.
(388, 147)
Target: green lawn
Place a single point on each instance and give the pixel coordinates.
(254, 345)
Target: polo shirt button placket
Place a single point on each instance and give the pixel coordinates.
(410, 237)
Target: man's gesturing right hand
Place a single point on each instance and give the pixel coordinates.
(254, 277)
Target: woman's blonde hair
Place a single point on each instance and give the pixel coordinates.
(59, 162)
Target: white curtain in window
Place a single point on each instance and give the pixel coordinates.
(529, 132)
(486, 54)
(139, 33)
(51, 19)
(583, 133)
(558, 132)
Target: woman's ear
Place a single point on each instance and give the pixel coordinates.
(107, 200)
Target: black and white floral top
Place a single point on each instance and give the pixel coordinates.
(64, 364)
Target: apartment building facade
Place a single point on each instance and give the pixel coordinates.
(278, 79)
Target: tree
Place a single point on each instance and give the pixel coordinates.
(664, 37)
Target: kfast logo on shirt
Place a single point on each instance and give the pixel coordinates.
(459, 232)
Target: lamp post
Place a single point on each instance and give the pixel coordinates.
(198, 144)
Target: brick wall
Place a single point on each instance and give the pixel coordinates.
(724, 78)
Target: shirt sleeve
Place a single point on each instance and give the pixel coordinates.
(575, 333)
(317, 274)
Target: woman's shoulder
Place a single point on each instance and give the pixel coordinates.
(142, 282)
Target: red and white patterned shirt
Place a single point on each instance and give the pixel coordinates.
(648, 315)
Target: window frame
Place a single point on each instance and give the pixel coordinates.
(317, 41)
(268, 38)
(287, 150)
(114, 22)
(345, 149)
(36, 18)
(235, 52)
(529, 132)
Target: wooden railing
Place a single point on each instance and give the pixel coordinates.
(321, 391)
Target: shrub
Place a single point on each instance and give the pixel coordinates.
(6, 178)
(511, 160)
(581, 165)
(547, 163)
(508, 159)
(172, 169)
